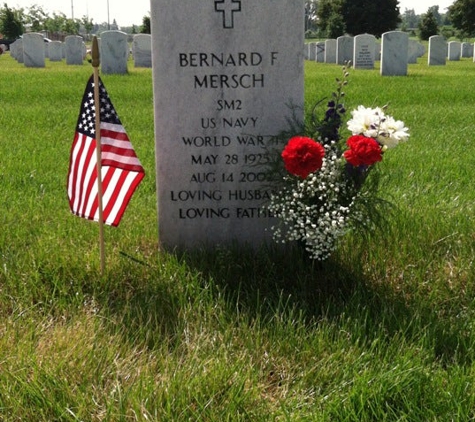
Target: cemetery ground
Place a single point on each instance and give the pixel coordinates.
(381, 332)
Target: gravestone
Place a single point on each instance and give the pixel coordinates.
(454, 50)
(415, 50)
(142, 50)
(364, 51)
(330, 51)
(17, 50)
(33, 50)
(344, 49)
(55, 51)
(14, 49)
(222, 87)
(377, 51)
(114, 52)
(320, 51)
(437, 50)
(73, 48)
(394, 46)
(312, 51)
(466, 50)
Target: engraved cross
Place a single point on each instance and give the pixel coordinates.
(227, 8)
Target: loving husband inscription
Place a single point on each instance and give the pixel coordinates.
(227, 76)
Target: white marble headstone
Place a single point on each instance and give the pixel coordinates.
(344, 49)
(142, 50)
(33, 50)
(454, 52)
(320, 51)
(330, 51)
(312, 51)
(114, 52)
(437, 50)
(364, 51)
(225, 74)
(73, 46)
(55, 51)
(394, 53)
(467, 49)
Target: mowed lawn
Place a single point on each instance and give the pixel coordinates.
(383, 331)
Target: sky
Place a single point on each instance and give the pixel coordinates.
(421, 6)
(125, 12)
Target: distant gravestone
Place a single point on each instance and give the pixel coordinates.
(33, 50)
(14, 50)
(142, 50)
(364, 51)
(224, 79)
(394, 47)
(344, 49)
(312, 51)
(114, 52)
(377, 51)
(454, 50)
(330, 51)
(415, 49)
(320, 51)
(437, 50)
(466, 50)
(55, 51)
(73, 49)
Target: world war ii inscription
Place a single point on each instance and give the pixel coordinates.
(227, 76)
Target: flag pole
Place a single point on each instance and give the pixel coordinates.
(97, 105)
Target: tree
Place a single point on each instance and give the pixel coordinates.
(435, 12)
(409, 19)
(146, 26)
(311, 7)
(370, 16)
(87, 24)
(462, 15)
(359, 16)
(54, 25)
(71, 26)
(36, 18)
(428, 25)
(11, 22)
(330, 19)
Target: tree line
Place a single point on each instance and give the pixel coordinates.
(15, 22)
(333, 18)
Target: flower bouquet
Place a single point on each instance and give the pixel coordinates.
(323, 189)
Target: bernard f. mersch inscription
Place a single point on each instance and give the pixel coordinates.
(227, 8)
(222, 88)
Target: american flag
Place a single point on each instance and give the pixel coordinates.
(121, 169)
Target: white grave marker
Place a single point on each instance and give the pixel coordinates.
(225, 73)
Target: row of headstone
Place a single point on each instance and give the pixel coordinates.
(362, 50)
(440, 50)
(32, 50)
(396, 51)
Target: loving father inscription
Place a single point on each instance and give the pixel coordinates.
(227, 74)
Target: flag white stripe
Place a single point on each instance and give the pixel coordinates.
(113, 127)
(120, 197)
(129, 161)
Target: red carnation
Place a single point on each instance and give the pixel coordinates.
(363, 151)
(303, 156)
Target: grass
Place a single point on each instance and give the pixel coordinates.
(381, 332)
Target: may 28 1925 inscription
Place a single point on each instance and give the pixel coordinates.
(225, 75)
